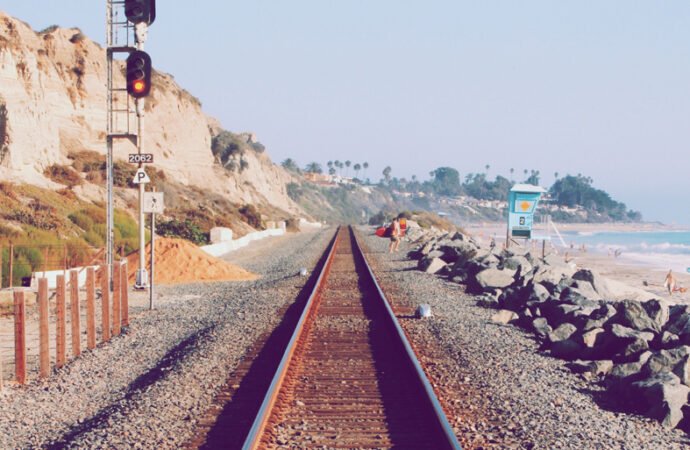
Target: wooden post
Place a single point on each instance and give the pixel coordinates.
(105, 302)
(45, 260)
(0, 288)
(543, 248)
(19, 337)
(117, 291)
(90, 309)
(74, 305)
(124, 296)
(11, 263)
(61, 334)
(43, 330)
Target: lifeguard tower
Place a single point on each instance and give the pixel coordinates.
(522, 203)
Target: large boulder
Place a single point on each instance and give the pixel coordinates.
(541, 327)
(457, 251)
(550, 277)
(675, 360)
(600, 316)
(599, 283)
(494, 278)
(431, 265)
(622, 373)
(621, 344)
(664, 396)
(518, 263)
(563, 332)
(633, 314)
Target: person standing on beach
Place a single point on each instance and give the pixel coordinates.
(670, 282)
(395, 236)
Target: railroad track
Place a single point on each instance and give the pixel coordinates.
(347, 378)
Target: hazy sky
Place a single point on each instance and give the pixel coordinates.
(598, 87)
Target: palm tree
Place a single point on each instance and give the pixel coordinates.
(347, 164)
(357, 168)
(366, 166)
(525, 172)
(387, 174)
(329, 164)
(313, 167)
(331, 171)
(487, 167)
(555, 175)
(511, 173)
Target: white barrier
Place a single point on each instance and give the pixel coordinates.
(222, 248)
(52, 275)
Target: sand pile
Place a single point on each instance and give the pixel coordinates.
(180, 261)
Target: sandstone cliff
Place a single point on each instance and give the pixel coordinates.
(53, 102)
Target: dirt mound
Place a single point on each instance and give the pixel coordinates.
(180, 261)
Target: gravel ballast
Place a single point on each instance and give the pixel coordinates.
(499, 389)
(147, 388)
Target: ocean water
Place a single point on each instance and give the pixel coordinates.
(662, 250)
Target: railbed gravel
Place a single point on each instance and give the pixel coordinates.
(147, 388)
(500, 390)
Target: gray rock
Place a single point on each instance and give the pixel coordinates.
(599, 283)
(658, 311)
(591, 338)
(600, 316)
(494, 278)
(488, 301)
(518, 263)
(585, 289)
(630, 369)
(537, 292)
(669, 339)
(458, 252)
(591, 368)
(563, 332)
(504, 316)
(541, 327)
(431, 265)
(633, 315)
(664, 396)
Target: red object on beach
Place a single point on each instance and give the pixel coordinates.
(381, 231)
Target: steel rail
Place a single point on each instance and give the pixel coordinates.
(254, 435)
(429, 390)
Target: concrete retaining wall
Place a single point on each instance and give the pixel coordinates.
(222, 248)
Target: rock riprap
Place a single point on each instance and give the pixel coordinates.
(626, 339)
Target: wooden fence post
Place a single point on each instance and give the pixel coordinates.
(124, 296)
(74, 305)
(19, 337)
(61, 334)
(105, 302)
(11, 264)
(117, 291)
(43, 330)
(90, 309)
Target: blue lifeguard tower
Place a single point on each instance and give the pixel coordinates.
(522, 202)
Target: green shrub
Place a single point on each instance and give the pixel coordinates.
(21, 268)
(185, 230)
(252, 216)
(63, 175)
(127, 226)
(94, 238)
(81, 220)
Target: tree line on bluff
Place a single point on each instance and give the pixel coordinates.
(569, 191)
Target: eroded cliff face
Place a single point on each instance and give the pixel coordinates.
(53, 102)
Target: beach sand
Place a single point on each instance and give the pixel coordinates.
(628, 271)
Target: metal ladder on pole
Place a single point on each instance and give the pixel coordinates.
(121, 122)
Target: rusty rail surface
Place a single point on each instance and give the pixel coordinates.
(348, 377)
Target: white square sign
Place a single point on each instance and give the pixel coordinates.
(153, 203)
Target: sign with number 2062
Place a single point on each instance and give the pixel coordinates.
(141, 158)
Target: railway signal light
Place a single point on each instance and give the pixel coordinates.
(139, 74)
(140, 11)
